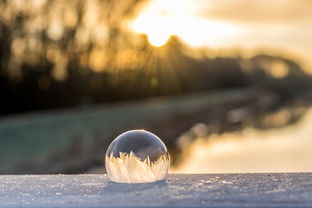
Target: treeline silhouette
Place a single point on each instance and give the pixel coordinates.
(56, 55)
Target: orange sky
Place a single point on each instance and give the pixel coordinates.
(279, 25)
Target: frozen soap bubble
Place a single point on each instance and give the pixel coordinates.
(137, 156)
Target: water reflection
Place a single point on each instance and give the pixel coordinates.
(286, 149)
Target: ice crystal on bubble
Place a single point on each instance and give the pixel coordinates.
(137, 157)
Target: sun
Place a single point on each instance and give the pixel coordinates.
(157, 28)
(161, 19)
(158, 40)
(156, 21)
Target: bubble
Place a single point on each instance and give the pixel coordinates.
(137, 156)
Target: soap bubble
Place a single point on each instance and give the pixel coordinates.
(137, 156)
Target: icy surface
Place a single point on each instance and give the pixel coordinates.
(224, 190)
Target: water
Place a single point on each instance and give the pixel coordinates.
(286, 149)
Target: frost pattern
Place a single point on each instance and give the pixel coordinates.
(128, 168)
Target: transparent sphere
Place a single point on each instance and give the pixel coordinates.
(137, 156)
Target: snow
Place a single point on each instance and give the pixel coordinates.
(205, 190)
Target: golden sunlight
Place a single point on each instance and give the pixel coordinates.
(158, 40)
(230, 25)
(275, 150)
(156, 27)
(163, 18)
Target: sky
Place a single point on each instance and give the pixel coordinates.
(280, 26)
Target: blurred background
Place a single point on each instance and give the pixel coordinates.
(226, 84)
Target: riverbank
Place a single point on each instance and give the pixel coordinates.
(75, 140)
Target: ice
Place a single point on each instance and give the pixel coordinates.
(244, 190)
(137, 156)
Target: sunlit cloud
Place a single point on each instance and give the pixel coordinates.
(264, 11)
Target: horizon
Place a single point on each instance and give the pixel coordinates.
(245, 26)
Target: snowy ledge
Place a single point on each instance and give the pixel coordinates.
(206, 190)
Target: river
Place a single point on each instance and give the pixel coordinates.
(286, 149)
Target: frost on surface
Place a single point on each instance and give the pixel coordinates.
(287, 190)
(128, 168)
